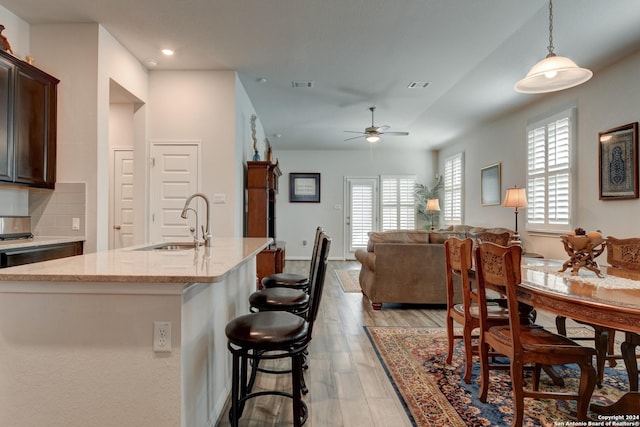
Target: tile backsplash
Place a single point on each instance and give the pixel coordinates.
(52, 212)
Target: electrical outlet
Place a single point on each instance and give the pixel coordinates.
(162, 336)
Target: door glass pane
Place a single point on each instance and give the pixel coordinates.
(362, 214)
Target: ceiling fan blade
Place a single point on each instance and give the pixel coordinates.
(355, 137)
(354, 131)
(397, 133)
(383, 128)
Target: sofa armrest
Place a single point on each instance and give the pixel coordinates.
(367, 259)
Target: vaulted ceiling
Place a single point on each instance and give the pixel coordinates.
(362, 53)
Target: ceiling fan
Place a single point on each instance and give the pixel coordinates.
(374, 133)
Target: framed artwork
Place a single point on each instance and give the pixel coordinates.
(304, 187)
(490, 185)
(618, 162)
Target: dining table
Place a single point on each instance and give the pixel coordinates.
(611, 301)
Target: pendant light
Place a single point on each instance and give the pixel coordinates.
(554, 72)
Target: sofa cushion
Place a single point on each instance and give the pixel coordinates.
(462, 228)
(397, 236)
(440, 236)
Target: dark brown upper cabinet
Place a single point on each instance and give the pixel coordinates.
(28, 101)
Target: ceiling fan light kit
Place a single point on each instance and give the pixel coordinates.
(373, 138)
(554, 72)
(373, 133)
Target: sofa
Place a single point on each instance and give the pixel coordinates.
(408, 266)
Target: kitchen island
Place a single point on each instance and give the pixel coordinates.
(77, 335)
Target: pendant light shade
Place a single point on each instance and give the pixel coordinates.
(554, 72)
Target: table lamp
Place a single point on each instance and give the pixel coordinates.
(516, 198)
(433, 205)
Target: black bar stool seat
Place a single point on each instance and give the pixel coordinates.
(289, 280)
(279, 299)
(266, 330)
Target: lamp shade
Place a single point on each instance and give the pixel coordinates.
(552, 74)
(515, 198)
(433, 205)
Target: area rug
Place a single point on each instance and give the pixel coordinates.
(349, 280)
(434, 393)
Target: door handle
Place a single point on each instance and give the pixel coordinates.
(116, 227)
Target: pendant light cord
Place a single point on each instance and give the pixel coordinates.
(550, 47)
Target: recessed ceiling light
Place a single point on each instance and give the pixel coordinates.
(261, 79)
(167, 52)
(302, 83)
(418, 85)
(152, 62)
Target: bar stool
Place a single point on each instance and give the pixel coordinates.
(291, 280)
(289, 299)
(270, 335)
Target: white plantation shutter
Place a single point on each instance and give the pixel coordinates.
(549, 173)
(397, 202)
(452, 212)
(362, 211)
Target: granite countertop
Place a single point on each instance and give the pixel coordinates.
(36, 241)
(144, 266)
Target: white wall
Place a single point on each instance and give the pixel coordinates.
(89, 59)
(296, 222)
(200, 105)
(610, 99)
(116, 63)
(17, 32)
(244, 147)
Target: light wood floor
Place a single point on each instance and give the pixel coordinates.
(347, 384)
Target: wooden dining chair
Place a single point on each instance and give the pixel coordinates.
(458, 256)
(499, 267)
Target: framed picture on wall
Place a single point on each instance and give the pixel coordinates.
(618, 162)
(490, 185)
(304, 187)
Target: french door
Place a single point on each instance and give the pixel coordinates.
(361, 213)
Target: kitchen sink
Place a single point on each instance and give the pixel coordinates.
(170, 246)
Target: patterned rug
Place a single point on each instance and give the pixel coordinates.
(349, 280)
(434, 393)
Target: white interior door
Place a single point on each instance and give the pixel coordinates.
(123, 205)
(174, 177)
(361, 214)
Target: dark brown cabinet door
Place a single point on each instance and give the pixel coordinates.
(28, 101)
(34, 142)
(6, 101)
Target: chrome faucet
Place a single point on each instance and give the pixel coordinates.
(193, 230)
(206, 232)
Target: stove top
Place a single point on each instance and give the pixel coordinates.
(16, 236)
(15, 227)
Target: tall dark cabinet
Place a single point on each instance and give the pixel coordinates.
(28, 102)
(262, 188)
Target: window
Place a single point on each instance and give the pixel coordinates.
(398, 211)
(453, 168)
(549, 153)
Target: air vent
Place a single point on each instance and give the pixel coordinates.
(302, 83)
(418, 85)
